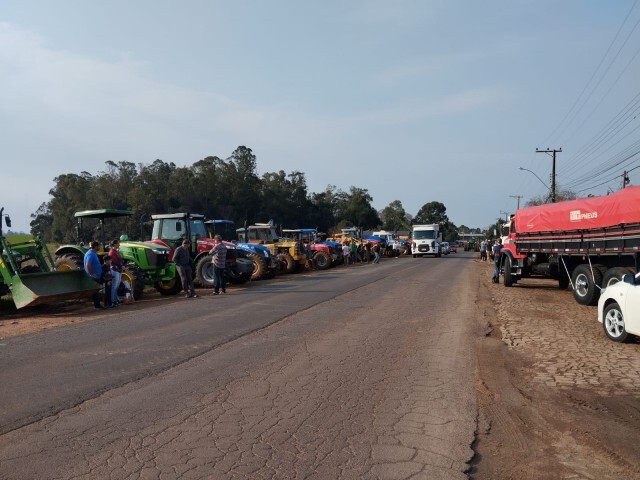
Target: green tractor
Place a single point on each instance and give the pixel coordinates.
(28, 272)
(145, 264)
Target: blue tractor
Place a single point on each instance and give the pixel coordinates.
(264, 264)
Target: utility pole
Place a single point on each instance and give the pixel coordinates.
(625, 179)
(517, 197)
(553, 170)
(506, 216)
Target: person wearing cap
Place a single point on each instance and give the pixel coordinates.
(219, 261)
(182, 259)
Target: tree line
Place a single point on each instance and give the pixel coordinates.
(218, 188)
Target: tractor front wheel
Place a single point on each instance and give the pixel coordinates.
(321, 260)
(169, 287)
(288, 261)
(133, 275)
(259, 266)
(204, 272)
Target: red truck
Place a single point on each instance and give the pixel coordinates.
(588, 243)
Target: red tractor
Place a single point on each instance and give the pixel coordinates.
(172, 228)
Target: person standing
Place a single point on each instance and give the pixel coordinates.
(219, 261)
(345, 253)
(396, 248)
(483, 251)
(352, 252)
(367, 252)
(93, 268)
(182, 259)
(116, 270)
(496, 260)
(106, 279)
(376, 253)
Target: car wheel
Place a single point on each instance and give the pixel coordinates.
(613, 323)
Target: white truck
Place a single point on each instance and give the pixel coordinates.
(425, 240)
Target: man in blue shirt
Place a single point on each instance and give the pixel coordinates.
(93, 267)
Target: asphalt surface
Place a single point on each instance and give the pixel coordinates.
(361, 372)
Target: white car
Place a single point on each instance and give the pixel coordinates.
(619, 309)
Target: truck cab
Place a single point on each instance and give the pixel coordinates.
(426, 240)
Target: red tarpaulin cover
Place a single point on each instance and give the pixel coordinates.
(582, 214)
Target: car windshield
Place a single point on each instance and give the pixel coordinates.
(424, 234)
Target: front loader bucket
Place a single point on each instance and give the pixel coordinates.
(50, 287)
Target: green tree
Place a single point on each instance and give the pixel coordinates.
(394, 217)
(354, 208)
(321, 214)
(284, 199)
(241, 186)
(561, 196)
(208, 187)
(42, 221)
(436, 212)
(70, 194)
(431, 212)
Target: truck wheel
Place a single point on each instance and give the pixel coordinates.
(613, 276)
(321, 260)
(586, 289)
(204, 272)
(132, 274)
(169, 287)
(507, 277)
(69, 261)
(613, 323)
(259, 266)
(287, 260)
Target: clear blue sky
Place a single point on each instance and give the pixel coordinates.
(413, 100)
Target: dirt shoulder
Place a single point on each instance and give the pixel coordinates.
(44, 317)
(557, 398)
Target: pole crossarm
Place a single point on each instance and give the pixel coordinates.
(553, 170)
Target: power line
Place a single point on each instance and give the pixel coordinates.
(551, 136)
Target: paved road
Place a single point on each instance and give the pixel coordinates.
(366, 372)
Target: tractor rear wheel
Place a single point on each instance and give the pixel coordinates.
(69, 261)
